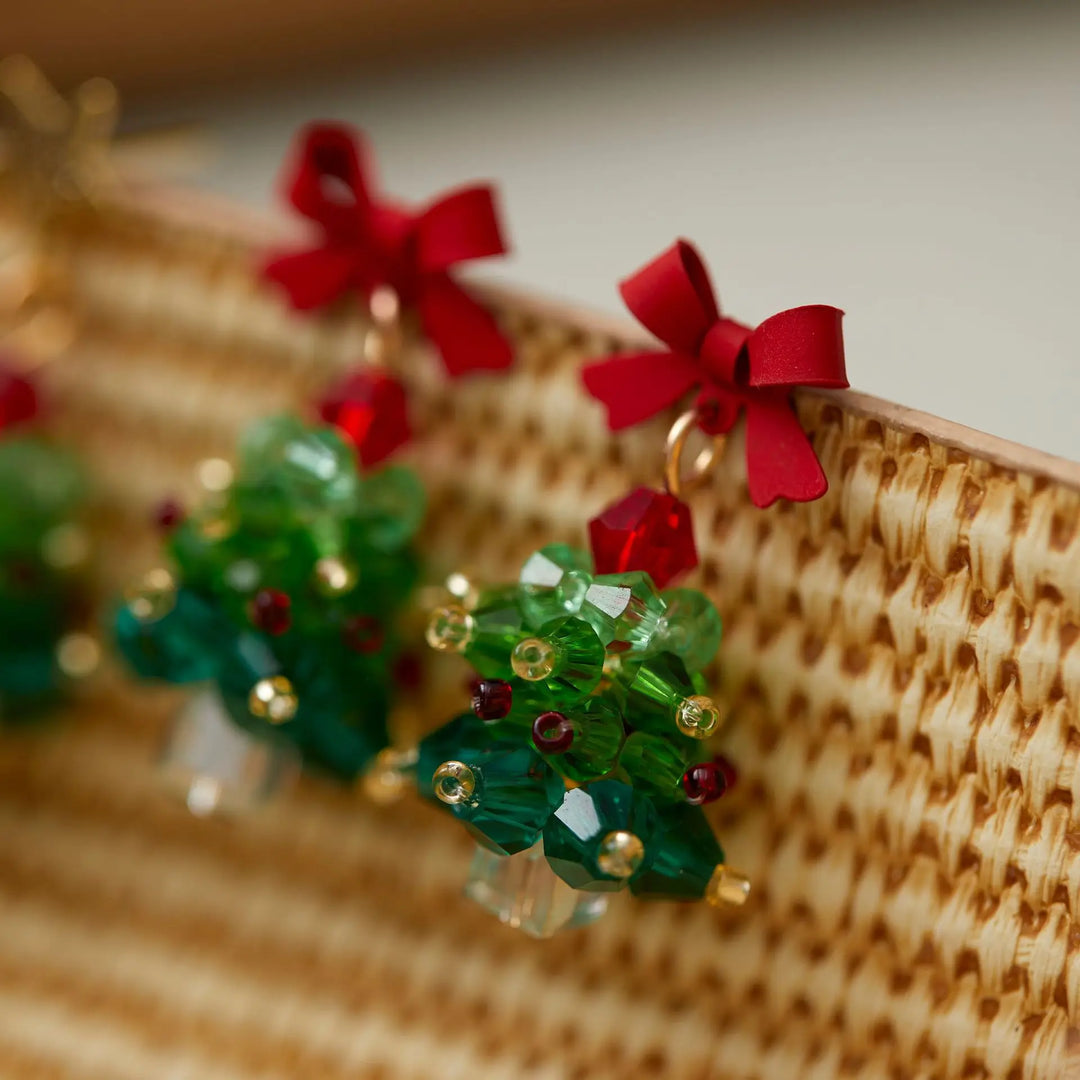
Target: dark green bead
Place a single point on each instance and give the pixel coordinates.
(655, 765)
(515, 790)
(598, 737)
(553, 583)
(185, 645)
(659, 686)
(624, 610)
(690, 628)
(574, 835)
(687, 853)
(40, 486)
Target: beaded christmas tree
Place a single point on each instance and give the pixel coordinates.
(586, 745)
(43, 549)
(285, 593)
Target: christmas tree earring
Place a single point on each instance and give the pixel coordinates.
(585, 761)
(54, 170)
(290, 580)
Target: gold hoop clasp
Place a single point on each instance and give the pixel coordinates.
(674, 480)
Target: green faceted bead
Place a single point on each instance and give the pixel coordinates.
(655, 765)
(41, 485)
(391, 507)
(659, 686)
(624, 610)
(508, 791)
(312, 468)
(594, 748)
(690, 628)
(601, 836)
(687, 853)
(497, 627)
(566, 658)
(186, 644)
(553, 583)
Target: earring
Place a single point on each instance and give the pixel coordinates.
(290, 580)
(56, 170)
(585, 762)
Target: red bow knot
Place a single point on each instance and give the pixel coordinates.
(368, 242)
(734, 367)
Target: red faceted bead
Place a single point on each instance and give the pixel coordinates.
(369, 408)
(271, 611)
(408, 671)
(492, 699)
(703, 783)
(18, 398)
(552, 733)
(168, 514)
(647, 530)
(363, 634)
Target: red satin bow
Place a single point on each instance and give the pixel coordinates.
(368, 242)
(735, 368)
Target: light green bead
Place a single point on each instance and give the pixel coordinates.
(598, 737)
(553, 583)
(655, 765)
(690, 628)
(566, 657)
(659, 686)
(498, 625)
(312, 468)
(624, 610)
(391, 507)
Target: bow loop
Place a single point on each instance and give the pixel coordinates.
(462, 225)
(329, 182)
(800, 347)
(673, 298)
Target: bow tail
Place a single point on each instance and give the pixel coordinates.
(311, 278)
(466, 334)
(780, 462)
(639, 385)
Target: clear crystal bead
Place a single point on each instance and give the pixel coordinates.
(524, 892)
(216, 767)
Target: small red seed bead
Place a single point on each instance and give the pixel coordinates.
(492, 699)
(704, 783)
(18, 398)
(408, 671)
(552, 733)
(168, 514)
(363, 634)
(730, 773)
(271, 611)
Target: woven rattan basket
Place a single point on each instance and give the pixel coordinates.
(901, 657)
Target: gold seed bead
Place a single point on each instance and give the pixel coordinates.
(461, 587)
(454, 783)
(533, 659)
(273, 699)
(217, 523)
(450, 628)
(65, 547)
(214, 474)
(621, 854)
(78, 655)
(154, 597)
(727, 888)
(698, 716)
(388, 778)
(334, 576)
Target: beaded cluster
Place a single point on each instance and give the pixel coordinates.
(288, 580)
(589, 728)
(44, 550)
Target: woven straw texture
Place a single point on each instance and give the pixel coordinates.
(900, 659)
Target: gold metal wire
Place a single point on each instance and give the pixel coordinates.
(675, 481)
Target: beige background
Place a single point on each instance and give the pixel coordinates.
(920, 170)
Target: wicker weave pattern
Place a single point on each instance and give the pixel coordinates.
(901, 659)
